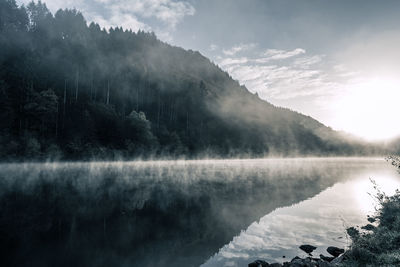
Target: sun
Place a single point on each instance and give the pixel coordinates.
(370, 109)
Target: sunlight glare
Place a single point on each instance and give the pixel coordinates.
(369, 109)
(365, 193)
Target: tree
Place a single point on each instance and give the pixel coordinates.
(43, 108)
(138, 129)
(6, 111)
(183, 102)
(40, 16)
(12, 18)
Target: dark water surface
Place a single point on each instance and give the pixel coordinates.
(185, 213)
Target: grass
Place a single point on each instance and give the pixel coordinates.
(378, 243)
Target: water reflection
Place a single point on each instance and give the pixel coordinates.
(320, 221)
(167, 213)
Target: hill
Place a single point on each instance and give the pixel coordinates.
(69, 90)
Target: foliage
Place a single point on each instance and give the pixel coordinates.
(378, 243)
(83, 90)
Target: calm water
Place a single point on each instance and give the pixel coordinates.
(210, 213)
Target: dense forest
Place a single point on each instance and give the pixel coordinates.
(69, 90)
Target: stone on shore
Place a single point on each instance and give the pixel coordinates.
(339, 259)
(335, 251)
(307, 248)
(326, 258)
(259, 263)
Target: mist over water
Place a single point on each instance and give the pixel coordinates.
(168, 213)
(321, 220)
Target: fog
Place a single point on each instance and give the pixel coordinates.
(87, 116)
(73, 91)
(166, 213)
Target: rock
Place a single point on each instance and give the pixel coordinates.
(275, 265)
(324, 264)
(259, 263)
(335, 251)
(310, 262)
(306, 262)
(326, 258)
(296, 258)
(339, 259)
(296, 263)
(307, 248)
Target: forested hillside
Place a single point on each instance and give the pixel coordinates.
(69, 90)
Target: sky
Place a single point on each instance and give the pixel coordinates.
(335, 60)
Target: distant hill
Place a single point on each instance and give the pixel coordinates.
(72, 91)
(392, 146)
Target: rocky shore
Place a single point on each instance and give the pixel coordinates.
(336, 258)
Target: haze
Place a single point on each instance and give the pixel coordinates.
(333, 60)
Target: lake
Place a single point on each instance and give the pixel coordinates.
(183, 213)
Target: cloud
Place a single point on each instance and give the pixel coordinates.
(282, 74)
(352, 94)
(167, 11)
(275, 54)
(233, 61)
(126, 21)
(161, 16)
(307, 62)
(213, 47)
(238, 48)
